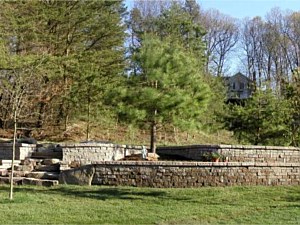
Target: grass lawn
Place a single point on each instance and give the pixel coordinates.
(128, 205)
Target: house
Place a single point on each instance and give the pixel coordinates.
(239, 87)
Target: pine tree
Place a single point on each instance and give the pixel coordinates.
(262, 119)
(292, 94)
(79, 39)
(169, 89)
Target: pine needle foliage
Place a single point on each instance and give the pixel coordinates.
(262, 119)
(170, 88)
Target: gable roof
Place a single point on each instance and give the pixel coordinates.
(237, 76)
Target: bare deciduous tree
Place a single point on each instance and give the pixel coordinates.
(222, 35)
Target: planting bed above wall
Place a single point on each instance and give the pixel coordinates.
(235, 153)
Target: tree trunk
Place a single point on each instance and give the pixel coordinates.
(39, 122)
(153, 138)
(153, 128)
(13, 157)
(175, 135)
(88, 120)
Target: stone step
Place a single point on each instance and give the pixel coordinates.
(16, 180)
(47, 168)
(43, 175)
(5, 162)
(25, 168)
(6, 173)
(3, 172)
(4, 167)
(39, 182)
(29, 161)
(50, 161)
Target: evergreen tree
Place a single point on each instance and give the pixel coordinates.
(292, 94)
(171, 21)
(169, 90)
(82, 42)
(262, 119)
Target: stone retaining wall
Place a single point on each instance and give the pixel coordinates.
(236, 153)
(85, 153)
(183, 174)
(22, 150)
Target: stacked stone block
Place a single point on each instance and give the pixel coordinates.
(85, 153)
(194, 174)
(22, 150)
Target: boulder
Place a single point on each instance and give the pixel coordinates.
(74, 164)
(48, 168)
(152, 156)
(16, 180)
(30, 162)
(81, 176)
(43, 175)
(50, 161)
(39, 182)
(23, 168)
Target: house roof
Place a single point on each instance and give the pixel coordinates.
(237, 76)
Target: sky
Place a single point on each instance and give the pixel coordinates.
(249, 8)
(241, 9)
(245, 8)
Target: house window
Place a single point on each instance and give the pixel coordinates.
(233, 85)
(242, 86)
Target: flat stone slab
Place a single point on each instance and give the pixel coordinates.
(50, 161)
(8, 162)
(16, 180)
(39, 182)
(48, 168)
(2, 167)
(43, 175)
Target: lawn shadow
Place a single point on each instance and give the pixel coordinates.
(101, 193)
(293, 196)
(108, 193)
(104, 192)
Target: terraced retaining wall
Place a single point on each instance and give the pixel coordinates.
(236, 153)
(22, 150)
(85, 153)
(163, 174)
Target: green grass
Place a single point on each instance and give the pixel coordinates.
(127, 205)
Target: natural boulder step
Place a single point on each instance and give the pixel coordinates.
(50, 161)
(5, 162)
(7, 173)
(16, 180)
(4, 167)
(39, 182)
(43, 175)
(31, 162)
(48, 168)
(3, 172)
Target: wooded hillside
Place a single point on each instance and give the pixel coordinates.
(90, 70)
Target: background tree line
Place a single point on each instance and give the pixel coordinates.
(158, 66)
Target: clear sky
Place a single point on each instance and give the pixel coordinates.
(249, 8)
(245, 8)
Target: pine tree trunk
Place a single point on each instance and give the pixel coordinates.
(153, 128)
(13, 157)
(88, 120)
(153, 138)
